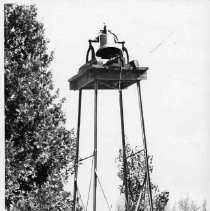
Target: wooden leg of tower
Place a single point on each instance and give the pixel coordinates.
(77, 150)
(124, 150)
(95, 145)
(145, 145)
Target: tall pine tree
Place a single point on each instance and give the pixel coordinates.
(38, 148)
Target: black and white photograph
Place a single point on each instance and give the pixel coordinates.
(105, 105)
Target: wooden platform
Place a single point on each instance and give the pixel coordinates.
(107, 77)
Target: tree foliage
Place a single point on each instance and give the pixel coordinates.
(188, 204)
(136, 179)
(38, 148)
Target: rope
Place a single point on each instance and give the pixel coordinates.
(127, 74)
(103, 191)
(145, 198)
(120, 79)
(80, 197)
(91, 175)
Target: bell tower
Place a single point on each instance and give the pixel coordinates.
(109, 68)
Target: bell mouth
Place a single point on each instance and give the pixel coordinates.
(108, 52)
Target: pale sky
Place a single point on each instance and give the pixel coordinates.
(172, 38)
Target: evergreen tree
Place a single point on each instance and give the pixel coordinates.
(136, 179)
(38, 149)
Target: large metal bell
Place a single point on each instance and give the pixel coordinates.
(108, 47)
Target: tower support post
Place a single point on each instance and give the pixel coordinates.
(124, 150)
(145, 145)
(95, 143)
(77, 150)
